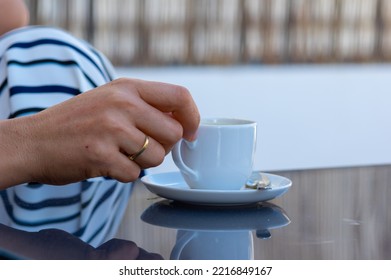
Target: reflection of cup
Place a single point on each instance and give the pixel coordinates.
(213, 245)
(215, 232)
(221, 157)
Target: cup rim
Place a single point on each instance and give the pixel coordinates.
(225, 121)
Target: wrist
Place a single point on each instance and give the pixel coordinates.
(14, 167)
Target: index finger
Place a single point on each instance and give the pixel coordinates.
(173, 99)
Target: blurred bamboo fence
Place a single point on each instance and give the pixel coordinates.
(161, 32)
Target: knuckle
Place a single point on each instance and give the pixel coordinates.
(133, 174)
(122, 81)
(121, 91)
(129, 175)
(158, 156)
(176, 133)
(95, 153)
(183, 94)
(115, 127)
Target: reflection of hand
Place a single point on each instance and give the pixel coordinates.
(57, 244)
(91, 134)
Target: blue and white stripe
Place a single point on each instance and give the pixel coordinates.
(41, 67)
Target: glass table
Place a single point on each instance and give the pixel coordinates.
(327, 214)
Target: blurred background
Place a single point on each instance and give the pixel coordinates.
(198, 32)
(314, 74)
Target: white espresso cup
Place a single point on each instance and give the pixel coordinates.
(221, 157)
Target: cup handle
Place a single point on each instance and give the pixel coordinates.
(177, 157)
(181, 243)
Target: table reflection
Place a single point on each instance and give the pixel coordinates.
(55, 244)
(215, 232)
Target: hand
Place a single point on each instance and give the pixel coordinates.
(93, 134)
(54, 244)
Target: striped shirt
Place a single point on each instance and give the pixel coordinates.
(40, 67)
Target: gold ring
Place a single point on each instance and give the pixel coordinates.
(139, 152)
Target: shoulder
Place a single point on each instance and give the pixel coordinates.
(46, 41)
(35, 36)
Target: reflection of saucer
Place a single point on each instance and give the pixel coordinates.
(171, 185)
(182, 216)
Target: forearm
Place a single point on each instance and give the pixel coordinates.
(13, 168)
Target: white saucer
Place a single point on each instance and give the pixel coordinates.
(171, 185)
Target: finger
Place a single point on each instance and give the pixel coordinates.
(160, 126)
(119, 167)
(149, 153)
(139, 147)
(173, 99)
